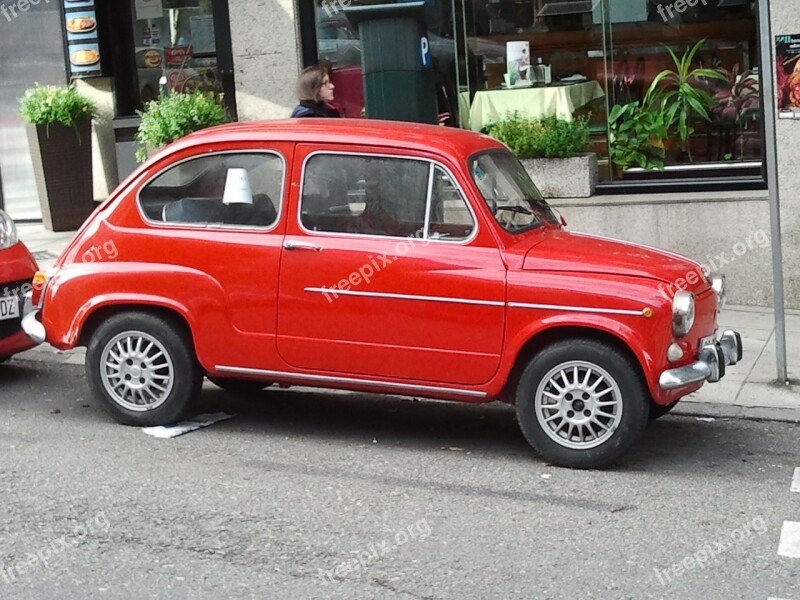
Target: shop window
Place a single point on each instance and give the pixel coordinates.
(218, 190)
(594, 55)
(175, 47)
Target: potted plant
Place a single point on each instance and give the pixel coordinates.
(637, 135)
(59, 128)
(171, 117)
(680, 94)
(736, 111)
(553, 151)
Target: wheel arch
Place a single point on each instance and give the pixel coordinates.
(545, 337)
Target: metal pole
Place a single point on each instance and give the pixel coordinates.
(767, 72)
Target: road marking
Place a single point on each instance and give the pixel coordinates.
(790, 540)
(796, 480)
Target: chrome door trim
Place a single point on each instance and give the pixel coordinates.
(336, 292)
(349, 380)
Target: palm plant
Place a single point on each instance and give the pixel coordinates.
(679, 96)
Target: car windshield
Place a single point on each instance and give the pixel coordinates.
(508, 191)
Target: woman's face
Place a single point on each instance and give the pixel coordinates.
(326, 91)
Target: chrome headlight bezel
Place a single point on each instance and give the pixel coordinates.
(719, 287)
(8, 231)
(683, 313)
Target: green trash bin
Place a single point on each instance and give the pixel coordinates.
(399, 81)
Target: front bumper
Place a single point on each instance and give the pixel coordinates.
(709, 366)
(31, 324)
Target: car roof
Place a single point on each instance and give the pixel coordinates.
(372, 132)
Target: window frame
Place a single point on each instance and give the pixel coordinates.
(215, 226)
(432, 164)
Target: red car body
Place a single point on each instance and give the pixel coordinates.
(17, 268)
(436, 318)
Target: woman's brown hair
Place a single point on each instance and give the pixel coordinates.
(309, 83)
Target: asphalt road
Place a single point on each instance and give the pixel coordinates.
(307, 495)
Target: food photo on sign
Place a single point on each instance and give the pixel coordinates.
(787, 54)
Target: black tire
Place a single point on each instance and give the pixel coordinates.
(659, 410)
(240, 387)
(594, 435)
(172, 376)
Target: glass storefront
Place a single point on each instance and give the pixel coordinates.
(175, 47)
(588, 59)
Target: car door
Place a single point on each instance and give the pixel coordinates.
(386, 273)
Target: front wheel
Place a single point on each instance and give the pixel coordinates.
(582, 403)
(143, 369)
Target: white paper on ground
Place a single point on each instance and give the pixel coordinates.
(200, 421)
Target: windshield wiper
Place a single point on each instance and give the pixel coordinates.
(516, 209)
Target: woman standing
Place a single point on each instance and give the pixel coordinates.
(315, 92)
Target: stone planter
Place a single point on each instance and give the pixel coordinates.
(62, 167)
(574, 177)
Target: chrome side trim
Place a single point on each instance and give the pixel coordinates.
(336, 292)
(350, 380)
(582, 309)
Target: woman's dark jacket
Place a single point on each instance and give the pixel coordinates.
(310, 108)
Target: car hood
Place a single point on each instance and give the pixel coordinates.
(575, 252)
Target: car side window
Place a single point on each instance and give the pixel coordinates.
(243, 190)
(371, 195)
(450, 216)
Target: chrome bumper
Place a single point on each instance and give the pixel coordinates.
(710, 364)
(31, 325)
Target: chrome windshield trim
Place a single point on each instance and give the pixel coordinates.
(350, 380)
(582, 309)
(337, 292)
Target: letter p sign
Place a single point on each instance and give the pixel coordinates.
(425, 51)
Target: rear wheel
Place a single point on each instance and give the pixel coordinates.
(582, 403)
(143, 369)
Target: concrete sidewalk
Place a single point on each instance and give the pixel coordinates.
(749, 389)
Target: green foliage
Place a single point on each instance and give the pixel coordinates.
(170, 118)
(677, 93)
(637, 136)
(48, 104)
(542, 138)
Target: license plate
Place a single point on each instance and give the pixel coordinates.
(9, 307)
(707, 341)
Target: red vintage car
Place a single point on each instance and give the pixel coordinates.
(379, 257)
(17, 268)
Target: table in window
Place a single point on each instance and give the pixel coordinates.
(560, 101)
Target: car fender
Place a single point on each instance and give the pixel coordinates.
(75, 294)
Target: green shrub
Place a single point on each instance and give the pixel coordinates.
(542, 138)
(48, 104)
(170, 118)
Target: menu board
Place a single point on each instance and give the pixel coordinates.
(787, 57)
(83, 49)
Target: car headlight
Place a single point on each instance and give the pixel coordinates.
(718, 285)
(8, 231)
(682, 313)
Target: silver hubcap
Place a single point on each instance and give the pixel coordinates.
(137, 371)
(578, 405)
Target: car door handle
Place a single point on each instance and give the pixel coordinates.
(301, 246)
